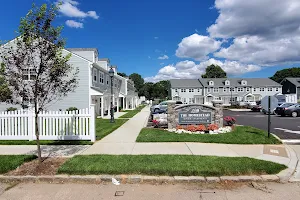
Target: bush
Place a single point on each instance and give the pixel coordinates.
(229, 120)
(11, 109)
(72, 109)
(212, 127)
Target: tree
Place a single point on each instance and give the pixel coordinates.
(138, 81)
(5, 92)
(284, 73)
(147, 90)
(35, 67)
(122, 74)
(214, 71)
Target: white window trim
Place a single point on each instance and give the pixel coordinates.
(227, 82)
(208, 90)
(269, 89)
(101, 73)
(224, 89)
(211, 83)
(216, 90)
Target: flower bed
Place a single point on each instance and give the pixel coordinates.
(193, 130)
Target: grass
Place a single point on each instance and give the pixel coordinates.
(104, 127)
(11, 162)
(131, 113)
(46, 142)
(240, 135)
(171, 165)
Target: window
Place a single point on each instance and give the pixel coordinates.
(25, 74)
(247, 89)
(95, 75)
(216, 90)
(239, 89)
(107, 79)
(224, 89)
(199, 90)
(176, 90)
(211, 83)
(227, 82)
(101, 77)
(191, 90)
(29, 74)
(244, 82)
(277, 89)
(191, 100)
(231, 89)
(262, 89)
(184, 100)
(183, 90)
(208, 90)
(270, 89)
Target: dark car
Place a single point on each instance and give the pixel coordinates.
(280, 110)
(293, 111)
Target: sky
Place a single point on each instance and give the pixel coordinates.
(167, 39)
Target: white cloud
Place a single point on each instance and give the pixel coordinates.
(69, 8)
(156, 38)
(190, 70)
(164, 57)
(197, 47)
(263, 32)
(74, 24)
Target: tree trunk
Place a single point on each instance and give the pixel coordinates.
(37, 134)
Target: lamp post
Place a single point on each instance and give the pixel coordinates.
(231, 96)
(111, 73)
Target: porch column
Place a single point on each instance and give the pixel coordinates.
(118, 99)
(123, 103)
(132, 105)
(102, 106)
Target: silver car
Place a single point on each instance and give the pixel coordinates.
(162, 106)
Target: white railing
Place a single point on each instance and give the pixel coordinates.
(52, 125)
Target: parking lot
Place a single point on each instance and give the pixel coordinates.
(286, 128)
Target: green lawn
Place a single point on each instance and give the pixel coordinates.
(131, 113)
(240, 135)
(104, 127)
(11, 162)
(171, 165)
(46, 142)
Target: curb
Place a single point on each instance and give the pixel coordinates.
(134, 179)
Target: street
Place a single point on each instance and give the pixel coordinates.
(44, 191)
(285, 128)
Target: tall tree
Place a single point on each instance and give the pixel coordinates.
(5, 92)
(35, 66)
(147, 90)
(122, 74)
(284, 73)
(214, 71)
(138, 81)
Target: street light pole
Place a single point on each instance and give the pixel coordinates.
(111, 74)
(231, 96)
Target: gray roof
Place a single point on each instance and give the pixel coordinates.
(103, 59)
(295, 81)
(183, 83)
(256, 82)
(82, 49)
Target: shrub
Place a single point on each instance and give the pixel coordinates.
(155, 123)
(72, 109)
(179, 127)
(11, 109)
(229, 120)
(201, 128)
(212, 127)
(192, 128)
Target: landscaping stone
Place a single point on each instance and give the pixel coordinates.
(135, 179)
(84, 179)
(249, 178)
(196, 179)
(269, 178)
(229, 178)
(212, 179)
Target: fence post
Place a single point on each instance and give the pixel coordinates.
(92, 123)
(31, 123)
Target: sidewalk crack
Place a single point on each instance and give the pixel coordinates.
(188, 148)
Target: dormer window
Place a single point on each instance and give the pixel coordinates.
(211, 83)
(227, 82)
(244, 82)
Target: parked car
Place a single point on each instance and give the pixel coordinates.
(256, 108)
(293, 111)
(280, 110)
(162, 106)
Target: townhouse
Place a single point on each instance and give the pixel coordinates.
(94, 85)
(205, 90)
(291, 89)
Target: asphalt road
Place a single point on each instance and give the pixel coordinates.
(284, 127)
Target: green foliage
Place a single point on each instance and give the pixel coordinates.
(5, 92)
(158, 90)
(104, 127)
(11, 162)
(11, 109)
(285, 73)
(72, 109)
(138, 81)
(214, 71)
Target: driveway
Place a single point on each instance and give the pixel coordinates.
(285, 128)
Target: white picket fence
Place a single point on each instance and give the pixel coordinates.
(53, 125)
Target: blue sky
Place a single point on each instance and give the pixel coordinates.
(186, 35)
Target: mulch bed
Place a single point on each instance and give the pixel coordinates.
(48, 167)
